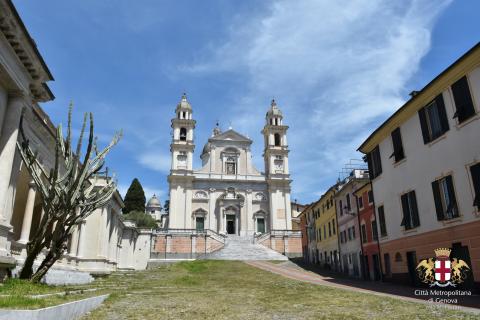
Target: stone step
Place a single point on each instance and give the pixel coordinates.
(243, 248)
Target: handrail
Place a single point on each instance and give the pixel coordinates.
(259, 237)
(209, 232)
(295, 233)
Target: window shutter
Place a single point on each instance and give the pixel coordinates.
(381, 217)
(415, 217)
(438, 200)
(451, 193)
(397, 145)
(463, 99)
(442, 112)
(406, 212)
(371, 172)
(377, 161)
(475, 171)
(424, 126)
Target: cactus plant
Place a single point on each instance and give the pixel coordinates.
(68, 191)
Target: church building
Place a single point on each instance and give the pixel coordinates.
(228, 194)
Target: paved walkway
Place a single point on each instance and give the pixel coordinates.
(296, 272)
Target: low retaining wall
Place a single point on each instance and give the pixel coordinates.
(67, 311)
(184, 245)
(61, 277)
(288, 245)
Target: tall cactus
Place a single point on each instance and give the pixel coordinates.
(69, 192)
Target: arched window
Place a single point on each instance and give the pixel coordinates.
(277, 139)
(183, 134)
(230, 165)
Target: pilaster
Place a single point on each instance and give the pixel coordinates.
(28, 213)
(8, 141)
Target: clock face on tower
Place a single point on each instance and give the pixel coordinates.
(278, 165)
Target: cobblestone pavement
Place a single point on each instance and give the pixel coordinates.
(331, 279)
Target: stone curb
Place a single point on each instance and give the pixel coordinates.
(66, 311)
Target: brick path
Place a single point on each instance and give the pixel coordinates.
(293, 271)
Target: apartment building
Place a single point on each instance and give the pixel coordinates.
(424, 164)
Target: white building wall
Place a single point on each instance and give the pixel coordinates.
(457, 151)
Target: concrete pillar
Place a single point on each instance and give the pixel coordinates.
(28, 214)
(194, 245)
(8, 141)
(82, 238)
(168, 243)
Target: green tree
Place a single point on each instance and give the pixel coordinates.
(141, 219)
(135, 198)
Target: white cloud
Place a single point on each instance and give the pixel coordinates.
(158, 161)
(337, 68)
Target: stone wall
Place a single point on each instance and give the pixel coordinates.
(288, 245)
(183, 245)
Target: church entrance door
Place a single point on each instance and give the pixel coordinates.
(230, 224)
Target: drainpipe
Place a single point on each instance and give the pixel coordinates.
(378, 234)
(360, 233)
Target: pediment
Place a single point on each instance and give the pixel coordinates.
(231, 135)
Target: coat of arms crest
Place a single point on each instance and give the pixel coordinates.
(441, 271)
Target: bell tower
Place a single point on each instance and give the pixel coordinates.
(275, 155)
(181, 171)
(182, 140)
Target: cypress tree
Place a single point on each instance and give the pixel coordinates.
(166, 207)
(135, 198)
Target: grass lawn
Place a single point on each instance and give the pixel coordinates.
(17, 294)
(234, 290)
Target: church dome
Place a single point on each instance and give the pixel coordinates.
(184, 104)
(154, 202)
(274, 110)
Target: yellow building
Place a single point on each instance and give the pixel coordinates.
(326, 230)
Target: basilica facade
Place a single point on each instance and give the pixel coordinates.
(228, 194)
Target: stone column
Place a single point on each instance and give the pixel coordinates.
(3, 106)
(82, 238)
(106, 241)
(211, 209)
(28, 214)
(8, 140)
(220, 222)
(238, 221)
(288, 211)
(188, 206)
(74, 242)
(249, 214)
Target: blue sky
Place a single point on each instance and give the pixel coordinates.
(336, 68)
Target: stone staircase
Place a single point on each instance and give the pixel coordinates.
(243, 248)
